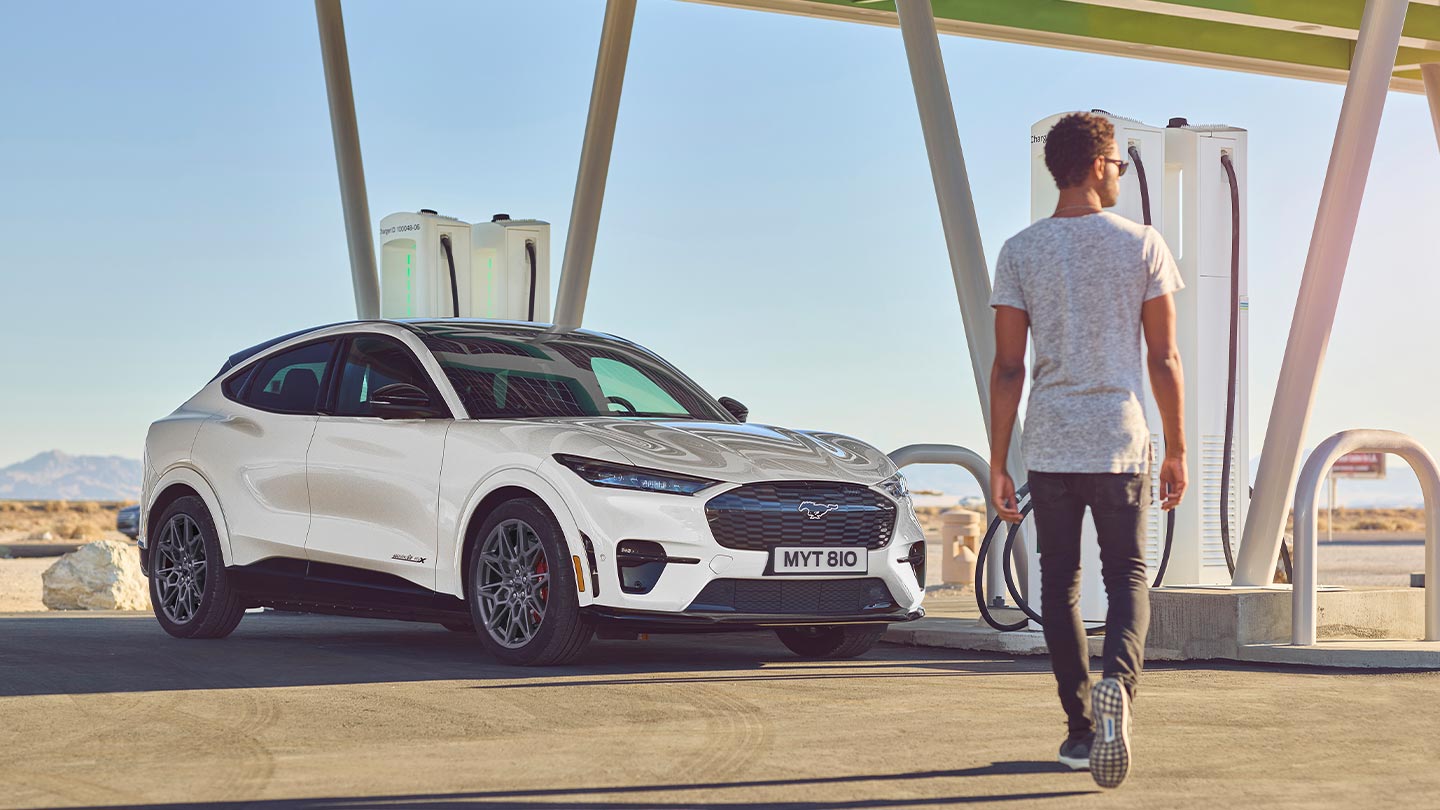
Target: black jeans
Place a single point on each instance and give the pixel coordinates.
(1117, 503)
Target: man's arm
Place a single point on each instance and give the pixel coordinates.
(1007, 383)
(1167, 380)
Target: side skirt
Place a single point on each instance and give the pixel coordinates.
(303, 586)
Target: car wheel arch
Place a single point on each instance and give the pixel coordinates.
(488, 498)
(177, 483)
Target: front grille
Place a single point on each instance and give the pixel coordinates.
(758, 517)
(827, 597)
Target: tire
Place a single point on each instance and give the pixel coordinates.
(191, 601)
(831, 640)
(515, 579)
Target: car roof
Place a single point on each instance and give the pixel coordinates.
(420, 326)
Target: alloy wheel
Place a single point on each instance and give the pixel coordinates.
(180, 568)
(514, 584)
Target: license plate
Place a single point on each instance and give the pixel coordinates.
(797, 560)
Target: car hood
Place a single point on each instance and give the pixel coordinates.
(741, 453)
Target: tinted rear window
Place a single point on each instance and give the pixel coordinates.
(235, 386)
(289, 382)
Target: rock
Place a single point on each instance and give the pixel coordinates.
(42, 537)
(104, 575)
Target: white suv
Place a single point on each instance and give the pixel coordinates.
(532, 484)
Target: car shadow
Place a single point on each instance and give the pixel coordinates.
(76, 653)
(569, 798)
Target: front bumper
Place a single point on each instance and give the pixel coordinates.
(646, 621)
(678, 525)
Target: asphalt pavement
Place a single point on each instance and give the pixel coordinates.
(105, 710)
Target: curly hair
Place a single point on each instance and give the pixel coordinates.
(1073, 144)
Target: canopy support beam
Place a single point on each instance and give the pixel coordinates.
(594, 163)
(1431, 73)
(353, 200)
(957, 206)
(1330, 242)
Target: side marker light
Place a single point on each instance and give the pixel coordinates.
(579, 574)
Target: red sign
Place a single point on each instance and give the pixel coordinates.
(1359, 465)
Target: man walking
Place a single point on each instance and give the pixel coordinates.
(1087, 284)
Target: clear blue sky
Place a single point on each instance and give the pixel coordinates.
(168, 194)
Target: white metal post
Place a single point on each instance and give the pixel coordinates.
(1431, 74)
(1304, 612)
(1330, 511)
(1350, 156)
(994, 574)
(347, 158)
(957, 208)
(594, 162)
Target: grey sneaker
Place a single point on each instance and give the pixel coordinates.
(1075, 752)
(1110, 754)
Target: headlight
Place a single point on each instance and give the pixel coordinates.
(894, 486)
(623, 476)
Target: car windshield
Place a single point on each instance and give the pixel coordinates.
(527, 373)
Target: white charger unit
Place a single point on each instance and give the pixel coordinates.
(1198, 229)
(1149, 142)
(1189, 202)
(417, 254)
(433, 266)
(512, 269)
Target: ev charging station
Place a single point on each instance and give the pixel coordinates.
(1198, 213)
(1178, 184)
(434, 266)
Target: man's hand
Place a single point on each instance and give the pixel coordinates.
(1172, 482)
(1002, 489)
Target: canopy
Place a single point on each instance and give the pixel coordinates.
(1304, 39)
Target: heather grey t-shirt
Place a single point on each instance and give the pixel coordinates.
(1082, 280)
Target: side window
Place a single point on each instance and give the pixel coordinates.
(235, 386)
(289, 382)
(624, 382)
(373, 362)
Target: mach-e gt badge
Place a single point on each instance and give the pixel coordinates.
(407, 558)
(815, 511)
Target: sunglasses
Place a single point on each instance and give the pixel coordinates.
(1123, 164)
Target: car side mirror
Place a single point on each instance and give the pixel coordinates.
(740, 412)
(401, 401)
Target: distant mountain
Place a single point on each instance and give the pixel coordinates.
(56, 476)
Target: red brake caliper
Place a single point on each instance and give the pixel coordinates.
(541, 568)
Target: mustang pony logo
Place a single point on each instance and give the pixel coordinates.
(815, 511)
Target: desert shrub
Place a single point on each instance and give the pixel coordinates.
(69, 529)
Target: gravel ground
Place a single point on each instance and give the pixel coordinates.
(20, 586)
(314, 713)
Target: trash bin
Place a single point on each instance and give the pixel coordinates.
(960, 534)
